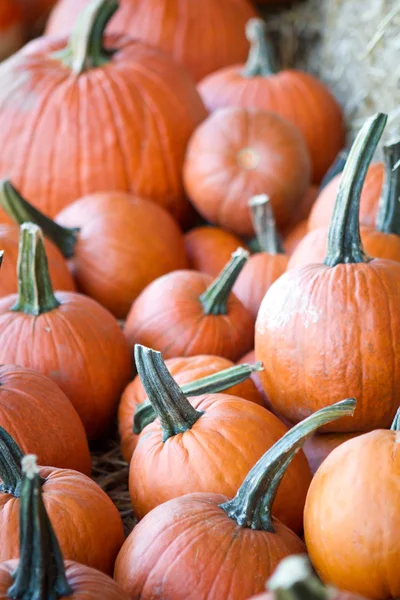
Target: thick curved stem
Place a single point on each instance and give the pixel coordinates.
(215, 298)
(294, 580)
(35, 292)
(252, 505)
(388, 219)
(344, 241)
(262, 61)
(171, 406)
(21, 211)
(212, 384)
(40, 574)
(336, 168)
(264, 225)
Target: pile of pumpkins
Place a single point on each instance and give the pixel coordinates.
(188, 248)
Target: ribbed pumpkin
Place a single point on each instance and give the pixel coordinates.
(238, 153)
(264, 267)
(296, 96)
(212, 373)
(117, 243)
(11, 28)
(225, 548)
(67, 336)
(76, 118)
(86, 522)
(202, 37)
(320, 445)
(329, 330)
(41, 572)
(208, 249)
(187, 313)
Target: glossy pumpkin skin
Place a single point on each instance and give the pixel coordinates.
(117, 253)
(41, 419)
(352, 508)
(238, 153)
(85, 520)
(168, 316)
(92, 365)
(297, 97)
(200, 38)
(183, 370)
(311, 313)
(60, 275)
(86, 583)
(11, 28)
(322, 210)
(214, 456)
(208, 249)
(192, 535)
(143, 139)
(320, 445)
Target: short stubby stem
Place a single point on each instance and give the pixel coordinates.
(262, 60)
(264, 225)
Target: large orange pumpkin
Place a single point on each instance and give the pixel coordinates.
(225, 548)
(330, 330)
(208, 249)
(238, 153)
(87, 523)
(202, 37)
(91, 363)
(187, 313)
(296, 96)
(11, 28)
(89, 232)
(76, 118)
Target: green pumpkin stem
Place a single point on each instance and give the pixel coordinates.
(336, 168)
(268, 238)
(212, 384)
(215, 299)
(40, 574)
(21, 211)
(262, 60)
(252, 505)
(85, 49)
(388, 218)
(35, 292)
(344, 241)
(294, 579)
(1, 257)
(396, 421)
(10, 465)
(171, 406)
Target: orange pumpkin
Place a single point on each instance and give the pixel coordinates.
(320, 445)
(298, 226)
(264, 267)
(89, 232)
(196, 369)
(187, 313)
(296, 96)
(55, 97)
(234, 545)
(238, 153)
(92, 364)
(200, 37)
(208, 249)
(250, 358)
(41, 571)
(295, 235)
(87, 523)
(330, 329)
(11, 28)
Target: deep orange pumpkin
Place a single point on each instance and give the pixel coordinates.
(91, 364)
(296, 96)
(226, 548)
(117, 243)
(57, 95)
(11, 28)
(329, 330)
(208, 249)
(202, 37)
(238, 153)
(187, 313)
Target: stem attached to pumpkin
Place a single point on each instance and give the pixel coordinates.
(396, 421)
(336, 168)
(10, 465)
(40, 573)
(268, 238)
(35, 292)
(171, 406)
(294, 579)
(212, 384)
(388, 219)
(344, 241)
(85, 48)
(21, 211)
(262, 61)
(215, 298)
(252, 505)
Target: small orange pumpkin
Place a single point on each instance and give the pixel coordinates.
(208, 248)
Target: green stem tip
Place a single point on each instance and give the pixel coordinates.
(264, 224)
(262, 60)
(396, 421)
(388, 218)
(294, 579)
